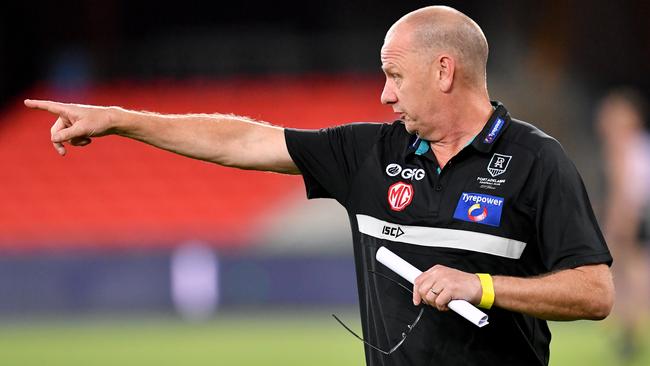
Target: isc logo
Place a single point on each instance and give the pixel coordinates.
(400, 195)
(395, 232)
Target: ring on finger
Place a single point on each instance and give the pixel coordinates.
(434, 292)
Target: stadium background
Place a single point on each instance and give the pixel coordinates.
(122, 254)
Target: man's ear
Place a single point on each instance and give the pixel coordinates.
(446, 70)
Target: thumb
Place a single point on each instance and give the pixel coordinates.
(68, 134)
(80, 141)
(416, 296)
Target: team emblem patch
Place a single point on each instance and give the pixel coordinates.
(498, 164)
(400, 195)
(479, 208)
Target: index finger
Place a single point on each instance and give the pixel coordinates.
(46, 105)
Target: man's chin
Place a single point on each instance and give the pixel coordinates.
(409, 128)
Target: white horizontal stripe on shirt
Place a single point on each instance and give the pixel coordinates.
(441, 237)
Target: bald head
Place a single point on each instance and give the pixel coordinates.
(437, 29)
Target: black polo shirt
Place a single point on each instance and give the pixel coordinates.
(510, 203)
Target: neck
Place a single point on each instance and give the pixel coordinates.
(463, 120)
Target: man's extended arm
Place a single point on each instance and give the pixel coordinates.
(585, 292)
(223, 139)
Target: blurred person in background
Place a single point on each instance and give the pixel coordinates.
(507, 199)
(626, 152)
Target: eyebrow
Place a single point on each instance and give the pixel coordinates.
(388, 67)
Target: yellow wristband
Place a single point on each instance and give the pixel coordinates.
(487, 298)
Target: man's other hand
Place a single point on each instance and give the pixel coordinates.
(439, 285)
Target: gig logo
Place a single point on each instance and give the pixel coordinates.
(400, 195)
(394, 170)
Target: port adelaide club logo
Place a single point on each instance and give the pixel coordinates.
(498, 164)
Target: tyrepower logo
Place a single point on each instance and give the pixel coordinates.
(394, 170)
(400, 195)
(479, 208)
(476, 213)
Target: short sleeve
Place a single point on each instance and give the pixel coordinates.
(328, 158)
(569, 235)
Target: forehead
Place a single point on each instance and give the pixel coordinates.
(397, 47)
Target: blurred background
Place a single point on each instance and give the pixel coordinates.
(122, 254)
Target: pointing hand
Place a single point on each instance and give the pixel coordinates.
(76, 123)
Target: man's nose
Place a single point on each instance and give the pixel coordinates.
(388, 95)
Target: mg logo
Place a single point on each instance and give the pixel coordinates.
(400, 195)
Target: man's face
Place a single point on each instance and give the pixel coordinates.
(617, 119)
(409, 87)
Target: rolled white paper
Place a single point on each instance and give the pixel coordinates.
(409, 273)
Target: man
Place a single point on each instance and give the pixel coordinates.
(620, 120)
(455, 187)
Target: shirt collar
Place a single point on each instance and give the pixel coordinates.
(418, 146)
(493, 129)
(483, 142)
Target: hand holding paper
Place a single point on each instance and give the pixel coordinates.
(409, 272)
